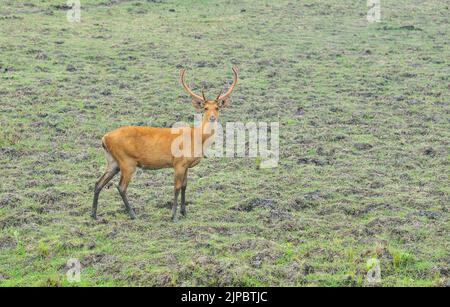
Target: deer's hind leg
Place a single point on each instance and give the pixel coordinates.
(126, 172)
(112, 169)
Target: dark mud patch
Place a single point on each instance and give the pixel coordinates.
(254, 203)
(7, 242)
(206, 270)
(380, 225)
(20, 219)
(301, 204)
(267, 256)
(291, 273)
(354, 210)
(96, 259)
(155, 279)
(9, 200)
(290, 225)
(51, 171)
(363, 146)
(11, 152)
(10, 17)
(112, 234)
(105, 263)
(429, 151)
(402, 28)
(205, 64)
(274, 216)
(71, 68)
(314, 161)
(169, 205)
(247, 244)
(308, 200)
(376, 185)
(41, 56)
(194, 231)
(60, 7)
(4, 276)
(213, 186)
(431, 215)
(50, 197)
(55, 155)
(313, 195)
(359, 210)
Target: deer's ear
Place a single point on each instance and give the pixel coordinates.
(198, 104)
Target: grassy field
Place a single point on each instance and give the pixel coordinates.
(364, 142)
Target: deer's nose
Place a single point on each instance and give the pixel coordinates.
(212, 119)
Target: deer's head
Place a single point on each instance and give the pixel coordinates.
(210, 108)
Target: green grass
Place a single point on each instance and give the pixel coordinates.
(364, 139)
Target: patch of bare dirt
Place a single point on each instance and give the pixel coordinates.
(214, 273)
(267, 256)
(252, 244)
(7, 242)
(20, 219)
(3, 276)
(293, 273)
(254, 203)
(9, 200)
(105, 263)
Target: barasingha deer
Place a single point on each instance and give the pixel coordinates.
(129, 147)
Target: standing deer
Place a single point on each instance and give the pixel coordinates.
(151, 148)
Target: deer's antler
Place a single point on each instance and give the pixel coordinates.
(186, 87)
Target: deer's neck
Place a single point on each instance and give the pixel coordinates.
(206, 130)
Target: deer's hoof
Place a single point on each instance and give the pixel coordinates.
(94, 216)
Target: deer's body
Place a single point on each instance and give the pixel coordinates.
(147, 147)
(129, 147)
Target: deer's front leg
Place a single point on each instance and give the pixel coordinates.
(175, 205)
(178, 184)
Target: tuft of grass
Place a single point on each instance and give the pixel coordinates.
(43, 249)
(400, 259)
(350, 254)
